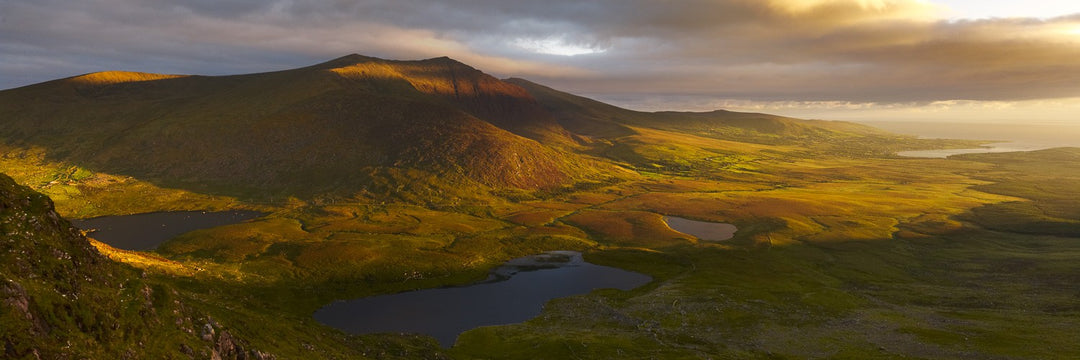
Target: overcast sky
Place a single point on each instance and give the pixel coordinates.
(848, 59)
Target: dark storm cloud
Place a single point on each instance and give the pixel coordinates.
(848, 50)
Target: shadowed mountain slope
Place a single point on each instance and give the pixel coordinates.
(323, 127)
(593, 118)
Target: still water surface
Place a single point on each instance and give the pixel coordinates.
(1008, 137)
(515, 292)
(147, 231)
(708, 231)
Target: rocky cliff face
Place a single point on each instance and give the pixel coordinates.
(60, 298)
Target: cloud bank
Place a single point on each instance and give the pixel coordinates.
(636, 51)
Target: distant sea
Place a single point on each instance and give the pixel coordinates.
(1008, 137)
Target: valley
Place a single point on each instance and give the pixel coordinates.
(380, 176)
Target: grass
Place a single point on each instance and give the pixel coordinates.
(850, 258)
(82, 193)
(836, 257)
(874, 299)
(1047, 180)
(865, 259)
(844, 250)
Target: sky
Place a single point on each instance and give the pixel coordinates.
(976, 9)
(990, 61)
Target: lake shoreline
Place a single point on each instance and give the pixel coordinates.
(513, 293)
(146, 231)
(703, 230)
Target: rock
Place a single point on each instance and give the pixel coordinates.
(16, 298)
(228, 348)
(259, 355)
(208, 332)
(186, 350)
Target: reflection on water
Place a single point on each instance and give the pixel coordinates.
(147, 231)
(516, 292)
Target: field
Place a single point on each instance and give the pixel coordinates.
(837, 256)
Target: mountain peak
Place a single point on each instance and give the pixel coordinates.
(347, 60)
(445, 60)
(353, 59)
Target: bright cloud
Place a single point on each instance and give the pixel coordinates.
(803, 53)
(554, 46)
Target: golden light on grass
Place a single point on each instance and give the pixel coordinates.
(116, 77)
(427, 76)
(144, 260)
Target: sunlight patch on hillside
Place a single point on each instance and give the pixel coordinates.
(144, 260)
(117, 77)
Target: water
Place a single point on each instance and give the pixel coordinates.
(708, 231)
(515, 292)
(992, 148)
(1009, 137)
(147, 231)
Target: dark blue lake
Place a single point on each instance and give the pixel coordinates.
(516, 292)
(147, 231)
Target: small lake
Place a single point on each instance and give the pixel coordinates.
(147, 231)
(515, 292)
(703, 230)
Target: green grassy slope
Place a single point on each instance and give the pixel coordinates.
(62, 299)
(1047, 180)
(883, 259)
(979, 296)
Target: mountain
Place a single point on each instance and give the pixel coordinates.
(328, 126)
(60, 298)
(355, 124)
(842, 250)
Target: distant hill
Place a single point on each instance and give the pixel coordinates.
(590, 117)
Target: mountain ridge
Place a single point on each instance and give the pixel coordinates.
(599, 119)
(267, 130)
(345, 125)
